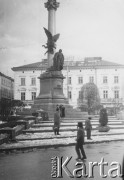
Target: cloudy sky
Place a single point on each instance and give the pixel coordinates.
(87, 28)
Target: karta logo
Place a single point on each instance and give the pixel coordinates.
(59, 166)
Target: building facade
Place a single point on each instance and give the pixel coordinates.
(6, 93)
(6, 87)
(106, 75)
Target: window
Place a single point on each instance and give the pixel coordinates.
(80, 80)
(105, 80)
(105, 94)
(91, 79)
(80, 94)
(33, 95)
(69, 95)
(23, 96)
(116, 80)
(22, 81)
(69, 80)
(116, 94)
(33, 81)
(2, 81)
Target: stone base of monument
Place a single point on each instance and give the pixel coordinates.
(51, 94)
(103, 128)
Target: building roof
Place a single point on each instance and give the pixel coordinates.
(3, 75)
(87, 63)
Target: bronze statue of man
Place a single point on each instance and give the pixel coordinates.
(58, 60)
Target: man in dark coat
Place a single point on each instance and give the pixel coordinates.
(88, 127)
(56, 122)
(80, 141)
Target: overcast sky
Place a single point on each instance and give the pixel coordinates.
(87, 28)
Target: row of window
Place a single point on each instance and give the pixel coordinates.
(80, 80)
(33, 81)
(6, 82)
(105, 94)
(91, 80)
(116, 79)
(6, 93)
(23, 96)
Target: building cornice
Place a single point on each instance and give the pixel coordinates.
(75, 65)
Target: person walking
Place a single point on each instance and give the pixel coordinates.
(80, 142)
(88, 127)
(56, 122)
(62, 111)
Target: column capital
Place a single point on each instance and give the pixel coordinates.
(52, 4)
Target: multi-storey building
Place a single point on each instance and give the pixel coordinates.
(108, 77)
(6, 87)
(6, 92)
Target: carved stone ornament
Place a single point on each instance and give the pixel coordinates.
(51, 4)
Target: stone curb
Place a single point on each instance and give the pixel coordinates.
(32, 148)
(59, 137)
(33, 130)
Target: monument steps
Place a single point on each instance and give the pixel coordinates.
(65, 119)
(50, 129)
(32, 145)
(43, 137)
(50, 135)
(71, 125)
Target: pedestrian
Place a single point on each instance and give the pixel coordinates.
(88, 127)
(60, 108)
(56, 125)
(57, 106)
(80, 142)
(38, 117)
(63, 111)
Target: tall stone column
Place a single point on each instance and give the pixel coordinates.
(51, 6)
(51, 81)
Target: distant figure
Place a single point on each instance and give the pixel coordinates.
(88, 127)
(80, 141)
(38, 118)
(58, 60)
(62, 111)
(56, 122)
(60, 108)
(57, 107)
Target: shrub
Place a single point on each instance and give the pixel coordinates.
(103, 120)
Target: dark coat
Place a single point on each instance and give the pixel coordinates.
(80, 136)
(88, 125)
(56, 119)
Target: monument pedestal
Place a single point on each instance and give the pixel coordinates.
(51, 85)
(51, 94)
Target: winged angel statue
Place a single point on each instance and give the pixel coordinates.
(51, 40)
